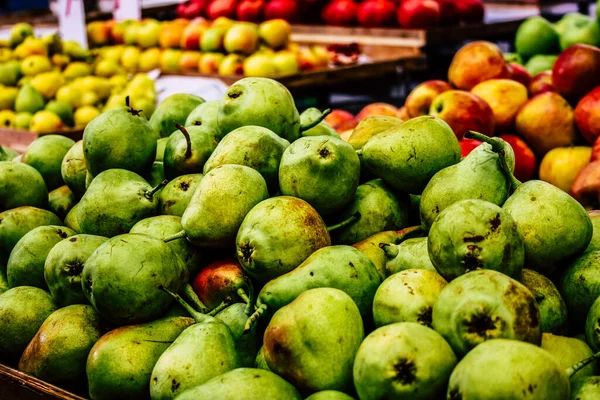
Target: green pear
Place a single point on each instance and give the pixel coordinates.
(475, 234)
(22, 185)
(312, 341)
(156, 175)
(73, 169)
(244, 383)
(16, 222)
(595, 242)
(321, 129)
(19, 32)
(115, 201)
(205, 221)
(259, 101)
(10, 73)
(246, 343)
(63, 109)
(339, 267)
(46, 154)
(23, 120)
(579, 286)
(277, 235)
(119, 138)
(58, 352)
(483, 305)
(71, 220)
(64, 265)
(477, 176)
(253, 146)
(329, 395)
(22, 311)
(61, 200)
(555, 226)
(7, 97)
(553, 309)
(380, 209)
(206, 114)
(7, 154)
(123, 278)
(120, 364)
(29, 100)
(320, 170)
(408, 155)
(162, 227)
(161, 145)
(259, 361)
(176, 195)
(369, 127)
(174, 108)
(410, 254)
(201, 352)
(569, 351)
(188, 149)
(585, 388)
(3, 280)
(25, 266)
(508, 369)
(415, 365)
(592, 326)
(407, 296)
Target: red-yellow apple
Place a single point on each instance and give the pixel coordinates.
(209, 63)
(275, 33)
(250, 10)
(190, 38)
(520, 74)
(587, 115)
(170, 35)
(374, 109)
(241, 38)
(505, 97)
(576, 71)
(463, 111)
(540, 83)
(403, 114)
(232, 64)
(477, 62)
(525, 159)
(336, 117)
(586, 187)
(189, 61)
(419, 100)
(560, 166)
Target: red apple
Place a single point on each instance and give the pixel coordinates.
(346, 126)
(448, 12)
(419, 100)
(221, 8)
(418, 14)
(218, 280)
(375, 109)
(525, 160)
(282, 9)
(250, 10)
(576, 70)
(477, 62)
(596, 150)
(540, 83)
(468, 145)
(586, 187)
(336, 117)
(340, 12)
(520, 74)
(376, 13)
(587, 115)
(463, 111)
(470, 11)
(191, 9)
(190, 40)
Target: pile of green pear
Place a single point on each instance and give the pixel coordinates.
(237, 249)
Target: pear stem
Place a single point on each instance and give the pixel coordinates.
(149, 195)
(498, 146)
(242, 293)
(572, 370)
(250, 303)
(198, 317)
(359, 152)
(316, 122)
(350, 220)
(188, 140)
(390, 250)
(188, 291)
(176, 236)
(254, 317)
(224, 304)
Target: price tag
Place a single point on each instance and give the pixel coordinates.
(71, 21)
(127, 9)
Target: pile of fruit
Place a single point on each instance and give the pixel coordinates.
(50, 85)
(236, 249)
(538, 42)
(367, 13)
(224, 46)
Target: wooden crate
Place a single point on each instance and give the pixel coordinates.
(20, 140)
(15, 385)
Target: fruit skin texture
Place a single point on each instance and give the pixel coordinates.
(73, 169)
(59, 350)
(568, 351)
(403, 360)
(495, 92)
(176, 195)
(553, 310)
(475, 234)
(463, 111)
(244, 383)
(497, 307)
(46, 155)
(22, 311)
(412, 254)
(551, 237)
(592, 326)
(22, 185)
(407, 296)
(477, 62)
(313, 340)
(121, 362)
(580, 286)
(277, 235)
(106, 146)
(176, 107)
(576, 70)
(587, 115)
(562, 165)
(546, 121)
(421, 97)
(428, 144)
(585, 388)
(323, 172)
(502, 369)
(122, 278)
(329, 395)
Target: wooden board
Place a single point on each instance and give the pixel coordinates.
(20, 140)
(15, 385)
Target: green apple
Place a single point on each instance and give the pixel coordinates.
(536, 36)
(580, 31)
(540, 63)
(568, 20)
(63, 110)
(23, 120)
(148, 33)
(212, 39)
(286, 62)
(514, 58)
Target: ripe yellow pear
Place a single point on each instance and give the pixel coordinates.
(84, 114)
(70, 94)
(76, 70)
(35, 64)
(45, 122)
(48, 83)
(7, 97)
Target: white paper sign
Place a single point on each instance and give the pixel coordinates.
(127, 9)
(71, 21)
(207, 88)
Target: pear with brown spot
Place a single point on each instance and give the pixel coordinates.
(176, 195)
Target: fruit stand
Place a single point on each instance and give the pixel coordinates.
(312, 199)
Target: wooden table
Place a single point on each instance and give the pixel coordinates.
(15, 385)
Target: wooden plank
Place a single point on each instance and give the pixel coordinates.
(15, 385)
(20, 140)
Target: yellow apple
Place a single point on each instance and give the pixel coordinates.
(505, 97)
(83, 115)
(45, 122)
(561, 165)
(35, 64)
(129, 58)
(259, 65)
(150, 59)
